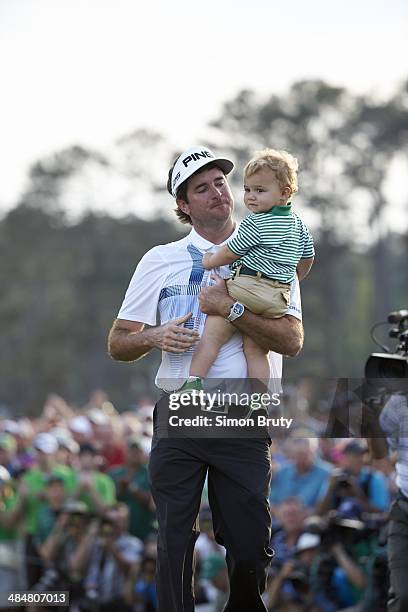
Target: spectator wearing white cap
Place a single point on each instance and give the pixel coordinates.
(81, 429)
(67, 447)
(112, 557)
(32, 490)
(292, 584)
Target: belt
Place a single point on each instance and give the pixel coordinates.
(245, 271)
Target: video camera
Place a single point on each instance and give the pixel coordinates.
(387, 373)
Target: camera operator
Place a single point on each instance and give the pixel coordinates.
(354, 480)
(291, 515)
(339, 574)
(389, 431)
(142, 586)
(113, 555)
(59, 549)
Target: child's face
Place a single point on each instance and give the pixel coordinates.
(262, 191)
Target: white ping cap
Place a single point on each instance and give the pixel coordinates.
(192, 160)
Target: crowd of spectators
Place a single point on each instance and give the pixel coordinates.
(76, 514)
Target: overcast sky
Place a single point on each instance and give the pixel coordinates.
(89, 71)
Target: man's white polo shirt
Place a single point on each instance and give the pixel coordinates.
(167, 281)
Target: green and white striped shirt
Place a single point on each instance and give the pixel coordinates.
(272, 242)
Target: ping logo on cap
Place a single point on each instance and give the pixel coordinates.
(192, 160)
(196, 156)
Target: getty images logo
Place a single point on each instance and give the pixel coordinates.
(196, 156)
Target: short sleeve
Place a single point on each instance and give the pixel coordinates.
(308, 246)
(247, 237)
(295, 302)
(142, 295)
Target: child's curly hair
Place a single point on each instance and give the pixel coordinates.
(282, 164)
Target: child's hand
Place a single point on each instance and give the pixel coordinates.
(207, 261)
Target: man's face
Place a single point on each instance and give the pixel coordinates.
(55, 494)
(210, 199)
(291, 515)
(87, 461)
(45, 460)
(135, 455)
(303, 459)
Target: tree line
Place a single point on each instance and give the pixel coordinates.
(64, 275)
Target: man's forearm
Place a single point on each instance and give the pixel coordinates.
(353, 571)
(130, 346)
(283, 335)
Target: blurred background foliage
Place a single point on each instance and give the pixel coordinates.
(68, 250)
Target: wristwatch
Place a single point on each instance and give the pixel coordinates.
(237, 310)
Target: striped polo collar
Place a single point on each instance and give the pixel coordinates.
(281, 211)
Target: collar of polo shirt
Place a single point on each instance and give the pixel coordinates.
(205, 245)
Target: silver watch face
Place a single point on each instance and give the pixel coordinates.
(236, 311)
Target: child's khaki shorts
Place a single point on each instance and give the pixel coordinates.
(262, 296)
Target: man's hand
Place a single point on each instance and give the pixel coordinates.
(172, 337)
(206, 262)
(335, 477)
(123, 483)
(287, 569)
(128, 340)
(215, 300)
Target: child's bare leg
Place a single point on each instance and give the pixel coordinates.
(216, 333)
(258, 365)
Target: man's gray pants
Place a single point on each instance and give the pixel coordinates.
(238, 485)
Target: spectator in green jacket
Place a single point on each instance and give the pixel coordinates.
(132, 487)
(95, 489)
